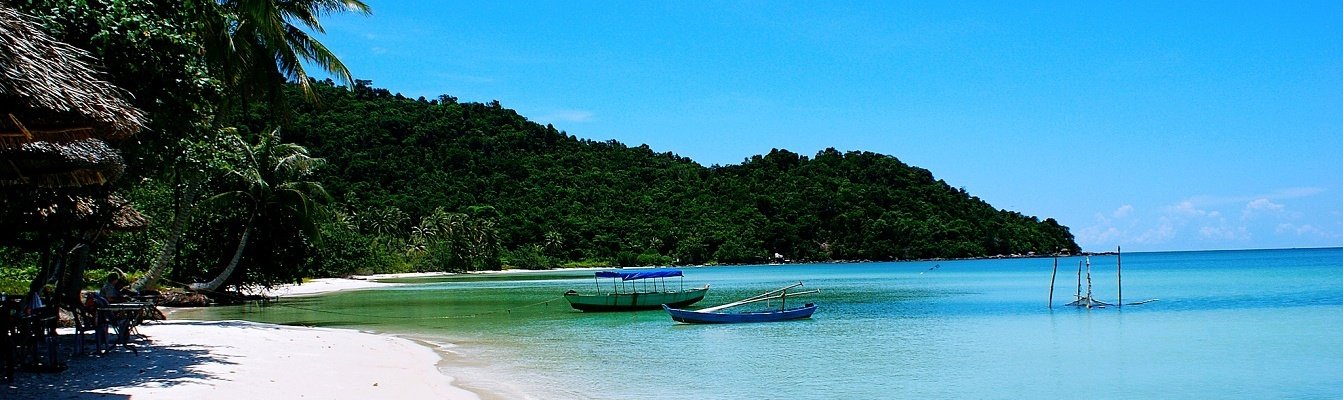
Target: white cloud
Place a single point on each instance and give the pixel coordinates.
(1110, 234)
(1295, 193)
(1224, 233)
(1186, 208)
(1104, 232)
(1164, 231)
(1302, 230)
(1268, 218)
(1279, 194)
(1261, 206)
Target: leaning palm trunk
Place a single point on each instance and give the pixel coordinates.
(166, 253)
(218, 281)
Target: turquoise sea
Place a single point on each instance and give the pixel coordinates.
(1253, 324)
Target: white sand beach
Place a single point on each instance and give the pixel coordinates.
(326, 285)
(178, 359)
(245, 360)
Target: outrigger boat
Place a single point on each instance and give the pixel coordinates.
(713, 315)
(626, 294)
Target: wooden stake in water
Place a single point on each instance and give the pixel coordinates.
(1051, 281)
(1089, 302)
(1079, 280)
(1119, 271)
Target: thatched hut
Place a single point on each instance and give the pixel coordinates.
(55, 112)
(56, 116)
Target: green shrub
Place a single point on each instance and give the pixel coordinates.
(530, 257)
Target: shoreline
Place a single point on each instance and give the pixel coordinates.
(359, 282)
(183, 359)
(449, 363)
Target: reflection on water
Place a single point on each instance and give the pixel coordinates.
(1236, 324)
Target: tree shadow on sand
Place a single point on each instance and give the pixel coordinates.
(93, 376)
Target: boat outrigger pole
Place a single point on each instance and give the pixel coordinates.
(770, 295)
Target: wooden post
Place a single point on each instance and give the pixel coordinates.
(1119, 271)
(1079, 280)
(1051, 281)
(1089, 301)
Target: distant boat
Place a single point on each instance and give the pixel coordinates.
(641, 290)
(714, 315)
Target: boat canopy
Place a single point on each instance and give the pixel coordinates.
(630, 276)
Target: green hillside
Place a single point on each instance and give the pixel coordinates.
(392, 162)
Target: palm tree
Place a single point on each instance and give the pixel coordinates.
(274, 174)
(255, 45)
(386, 224)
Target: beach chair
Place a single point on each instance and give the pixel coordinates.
(85, 318)
(29, 331)
(120, 319)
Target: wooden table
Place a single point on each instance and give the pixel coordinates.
(123, 317)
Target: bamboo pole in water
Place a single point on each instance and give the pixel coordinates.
(1051, 281)
(1089, 282)
(1079, 280)
(1119, 271)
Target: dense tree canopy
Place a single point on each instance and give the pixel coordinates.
(578, 199)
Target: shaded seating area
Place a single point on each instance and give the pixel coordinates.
(29, 338)
(57, 122)
(112, 324)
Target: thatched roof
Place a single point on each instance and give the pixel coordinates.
(49, 84)
(42, 210)
(55, 112)
(48, 164)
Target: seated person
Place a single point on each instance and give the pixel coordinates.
(33, 302)
(115, 288)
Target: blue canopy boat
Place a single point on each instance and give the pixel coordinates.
(627, 294)
(713, 315)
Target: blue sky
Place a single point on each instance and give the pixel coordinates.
(1151, 125)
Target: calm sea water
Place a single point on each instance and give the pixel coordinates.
(1228, 324)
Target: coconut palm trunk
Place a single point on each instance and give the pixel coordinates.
(218, 281)
(273, 174)
(169, 249)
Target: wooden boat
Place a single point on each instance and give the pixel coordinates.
(715, 315)
(626, 293)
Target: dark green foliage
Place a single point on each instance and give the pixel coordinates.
(577, 199)
(530, 257)
(345, 251)
(627, 259)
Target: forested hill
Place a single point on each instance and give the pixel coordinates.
(394, 161)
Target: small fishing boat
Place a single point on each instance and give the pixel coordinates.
(715, 315)
(636, 290)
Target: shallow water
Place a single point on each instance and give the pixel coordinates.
(1229, 324)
